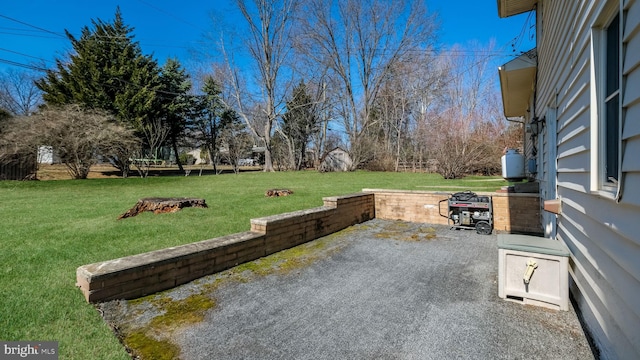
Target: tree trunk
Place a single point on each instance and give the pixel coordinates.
(268, 162)
(213, 157)
(174, 144)
(162, 205)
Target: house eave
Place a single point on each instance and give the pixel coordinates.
(508, 8)
(517, 83)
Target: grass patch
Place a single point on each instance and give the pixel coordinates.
(49, 228)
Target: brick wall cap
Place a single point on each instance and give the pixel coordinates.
(348, 196)
(285, 216)
(494, 194)
(158, 257)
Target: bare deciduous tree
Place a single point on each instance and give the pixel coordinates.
(77, 136)
(155, 132)
(394, 108)
(119, 153)
(238, 145)
(268, 41)
(361, 42)
(19, 93)
(463, 129)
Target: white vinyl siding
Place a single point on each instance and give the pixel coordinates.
(602, 234)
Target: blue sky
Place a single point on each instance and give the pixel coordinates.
(167, 28)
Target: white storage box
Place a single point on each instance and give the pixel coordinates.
(533, 270)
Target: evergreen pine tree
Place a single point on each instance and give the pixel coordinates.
(212, 118)
(106, 70)
(175, 102)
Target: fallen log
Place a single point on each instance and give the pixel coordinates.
(162, 205)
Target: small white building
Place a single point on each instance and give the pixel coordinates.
(45, 155)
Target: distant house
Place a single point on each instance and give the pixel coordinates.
(578, 94)
(197, 156)
(336, 160)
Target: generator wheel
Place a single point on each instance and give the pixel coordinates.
(483, 227)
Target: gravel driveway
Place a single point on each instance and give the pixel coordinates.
(379, 290)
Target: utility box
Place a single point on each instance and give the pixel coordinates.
(513, 165)
(533, 270)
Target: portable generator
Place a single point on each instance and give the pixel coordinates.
(466, 210)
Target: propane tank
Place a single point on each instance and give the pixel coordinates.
(513, 165)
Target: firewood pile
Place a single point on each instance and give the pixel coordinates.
(163, 205)
(278, 192)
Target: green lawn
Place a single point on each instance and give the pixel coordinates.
(49, 228)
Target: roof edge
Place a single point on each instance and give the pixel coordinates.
(508, 8)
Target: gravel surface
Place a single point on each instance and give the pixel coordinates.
(388, 290)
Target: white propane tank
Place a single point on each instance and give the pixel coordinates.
(513, 165)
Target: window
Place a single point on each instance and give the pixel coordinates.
(612, 101)
(606, 88)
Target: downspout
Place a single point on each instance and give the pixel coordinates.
(535, 95)
(622, 112)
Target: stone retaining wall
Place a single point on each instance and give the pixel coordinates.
(142, 274)
(512, 212)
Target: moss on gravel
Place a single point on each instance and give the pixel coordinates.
(153, 340)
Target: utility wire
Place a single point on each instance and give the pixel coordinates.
(518, 39)
(22, 54)
(32, 26)
(29, 35)
(26, 66)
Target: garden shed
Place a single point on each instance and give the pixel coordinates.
(336, 160)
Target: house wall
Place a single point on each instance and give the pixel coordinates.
(600, 232)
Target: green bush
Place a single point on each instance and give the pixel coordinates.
(187, 159)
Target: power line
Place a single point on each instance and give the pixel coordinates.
(18, 29)
(30, 35)
(22, 54)
(26, 66)
(518, 39)
(32, 26)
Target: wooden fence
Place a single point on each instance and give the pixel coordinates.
(18, 168)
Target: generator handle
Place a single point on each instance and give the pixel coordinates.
(440, 207)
